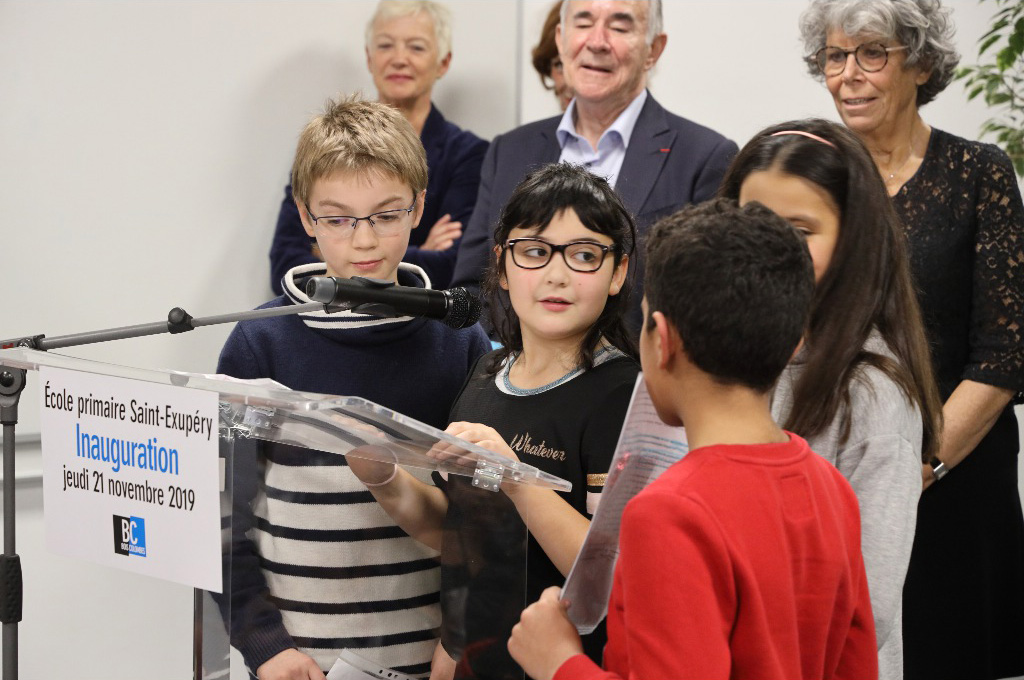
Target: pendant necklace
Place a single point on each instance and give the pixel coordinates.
(910, 154)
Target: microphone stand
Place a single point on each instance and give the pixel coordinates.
(12, 382)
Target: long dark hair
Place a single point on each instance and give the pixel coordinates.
(867, 284)
(544, 194)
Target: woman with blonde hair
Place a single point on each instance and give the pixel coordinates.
(408, 49)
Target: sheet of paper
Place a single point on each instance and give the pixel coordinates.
(351, 666)
(342, 671)
(646, 448)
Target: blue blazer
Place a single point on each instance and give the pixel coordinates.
(454, 157)
(670, 162)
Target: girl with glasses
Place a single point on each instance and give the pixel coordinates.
(553, 395)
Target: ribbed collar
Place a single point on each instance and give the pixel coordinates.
(293, 282)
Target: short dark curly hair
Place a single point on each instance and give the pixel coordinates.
(737, 284)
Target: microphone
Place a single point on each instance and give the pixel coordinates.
(456, 308)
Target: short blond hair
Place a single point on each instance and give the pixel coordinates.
(439, 15)
(364, 137)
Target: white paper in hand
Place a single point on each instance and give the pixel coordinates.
(351, 666)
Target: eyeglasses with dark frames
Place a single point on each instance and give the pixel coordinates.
(383, 223)
(535, 253)
(870, 57)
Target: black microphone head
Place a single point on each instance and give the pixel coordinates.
(464, 308)
(321, 289)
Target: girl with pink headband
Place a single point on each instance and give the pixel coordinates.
(861, 388)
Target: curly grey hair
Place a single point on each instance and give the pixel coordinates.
(924, 26)
(654, 20)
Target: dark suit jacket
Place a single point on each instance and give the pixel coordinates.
(669, 163)
(454, 157)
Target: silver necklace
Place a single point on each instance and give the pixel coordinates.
(892, 175)
(910, 154)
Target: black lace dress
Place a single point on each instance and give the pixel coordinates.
(963, 611)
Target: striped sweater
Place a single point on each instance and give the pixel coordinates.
(316, 564)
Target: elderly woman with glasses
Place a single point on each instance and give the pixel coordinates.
(882, 60)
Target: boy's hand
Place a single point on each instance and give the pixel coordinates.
(544, 638)
(443, 234)
(291, 664)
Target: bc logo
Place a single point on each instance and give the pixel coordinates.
(129, 536)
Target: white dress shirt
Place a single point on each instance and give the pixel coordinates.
(606, 160)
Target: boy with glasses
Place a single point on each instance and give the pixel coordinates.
(317, 564)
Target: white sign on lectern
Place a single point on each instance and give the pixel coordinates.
(131, 475)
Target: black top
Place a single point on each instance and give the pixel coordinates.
(965, 228)
(569, 431)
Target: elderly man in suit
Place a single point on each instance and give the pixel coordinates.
(658, 162)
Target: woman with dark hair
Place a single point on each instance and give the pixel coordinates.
(546, 60)
(882, 60)
(860, 390)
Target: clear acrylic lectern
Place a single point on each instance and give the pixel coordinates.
(268, 436)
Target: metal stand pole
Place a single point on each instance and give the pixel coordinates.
(12, 382)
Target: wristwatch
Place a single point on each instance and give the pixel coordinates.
(939, 469)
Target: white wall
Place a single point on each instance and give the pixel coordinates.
(146, 145)
(143, 150)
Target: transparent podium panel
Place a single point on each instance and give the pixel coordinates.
(354, 535)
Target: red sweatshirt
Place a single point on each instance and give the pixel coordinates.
(740, 562)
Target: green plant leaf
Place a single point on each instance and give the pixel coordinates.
(1008, 12)
(999, 78)
(1007, 56)
(987, 42)
(1015, 44)
(996, 27)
